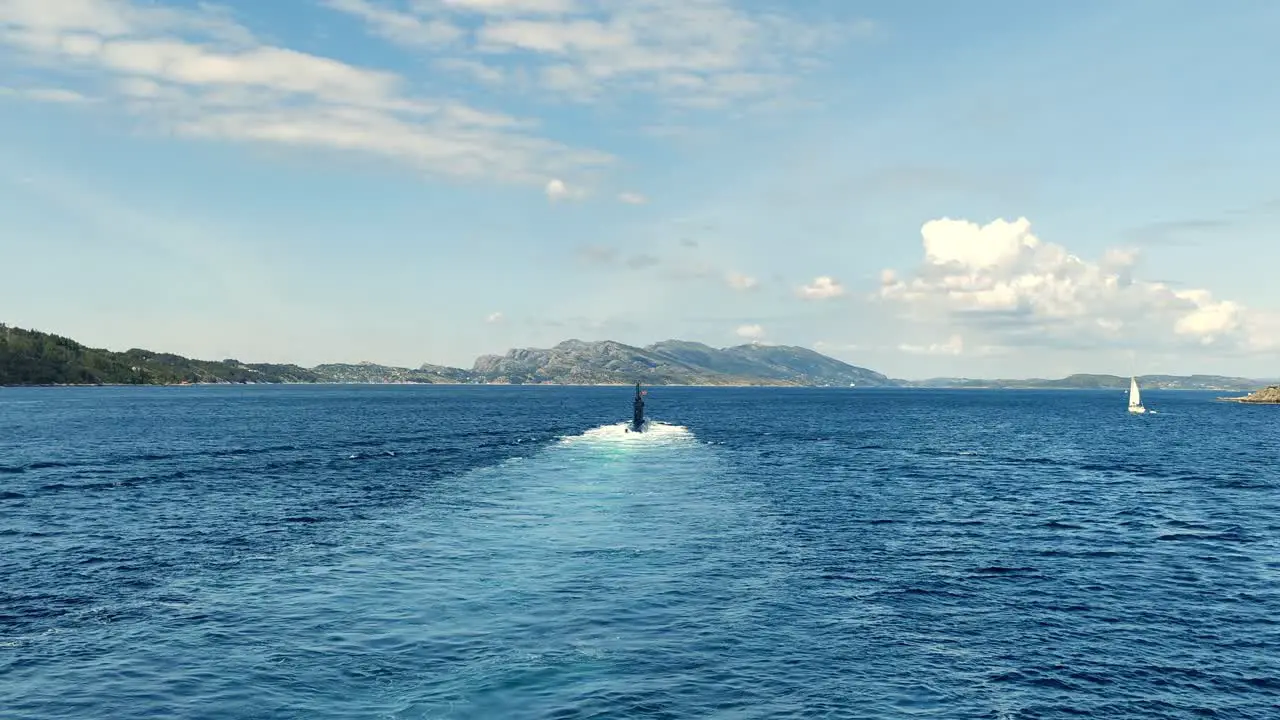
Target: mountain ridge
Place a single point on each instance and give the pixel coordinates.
(1093, 381)
(670, 362)
(31, 357)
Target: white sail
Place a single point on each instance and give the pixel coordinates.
(1135, 397)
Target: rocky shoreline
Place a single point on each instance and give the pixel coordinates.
(1269, 395)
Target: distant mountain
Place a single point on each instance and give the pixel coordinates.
(787, 364)
(672, 362)
(29, 357)
(1087, 381)
(574, 362)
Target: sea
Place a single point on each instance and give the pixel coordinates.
(510, 552)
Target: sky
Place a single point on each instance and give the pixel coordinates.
(986, 189)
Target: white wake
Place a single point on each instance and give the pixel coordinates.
(654, 433)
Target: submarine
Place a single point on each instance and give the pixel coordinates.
(637, 412)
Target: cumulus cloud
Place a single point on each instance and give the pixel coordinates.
(822, 288)
(750, 332)
(738, 281)
(632, 198)
(1002, 279)
(495, 317)
(195, 72)
(1209, 319)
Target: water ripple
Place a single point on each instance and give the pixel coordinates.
(460, 553)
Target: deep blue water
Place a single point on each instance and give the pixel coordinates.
(500, 552)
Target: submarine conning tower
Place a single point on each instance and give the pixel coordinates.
(637, 414)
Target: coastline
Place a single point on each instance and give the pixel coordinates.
(781, 386)
(1269, 395)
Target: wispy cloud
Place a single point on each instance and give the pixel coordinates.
(953, 346)
(495, 317)
(632, 198)
(242, 281)
(603, 255)
(1177, 232)
(197, 73)
(597, 254)
(739, 281)
(505, 7)
(48, 95)
(473, 70)
(642, 261)
(824, 346)
(689, 53)
(400, 27)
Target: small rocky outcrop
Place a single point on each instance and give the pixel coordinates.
(1269, 395)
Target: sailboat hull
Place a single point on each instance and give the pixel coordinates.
(1137, 409)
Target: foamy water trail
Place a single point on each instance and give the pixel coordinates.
(655, 433)
(596, 556)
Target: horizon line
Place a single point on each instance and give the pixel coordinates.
(643, 347)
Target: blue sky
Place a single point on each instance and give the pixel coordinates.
(928, 188)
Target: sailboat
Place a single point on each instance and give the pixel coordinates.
(1135, 397)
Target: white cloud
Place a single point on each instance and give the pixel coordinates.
(738, 281)
(824, 346)
(953, 346)
(494, 318)
(632, 198)
(693, 53)
(822, 288)
(400, 27)
(473, 69)
(49, 95)
(750, 332)
(1003, 280)
(196, 73)
(558, 190)
(507, 7)
(1210, 319)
